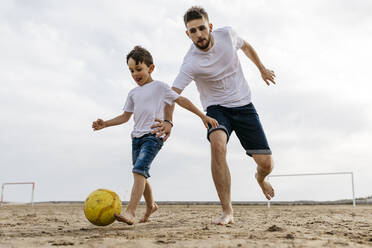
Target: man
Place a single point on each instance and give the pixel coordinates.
(212, 62)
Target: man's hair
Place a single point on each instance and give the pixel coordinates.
(140, 55)
(195, 12)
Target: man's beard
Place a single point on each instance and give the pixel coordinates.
(206, 44)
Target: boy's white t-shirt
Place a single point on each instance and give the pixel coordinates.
(217, 73)
(147, 102)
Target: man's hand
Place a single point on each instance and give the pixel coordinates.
(213, 122)
(268, 75)
(98, 124)
(162, 128)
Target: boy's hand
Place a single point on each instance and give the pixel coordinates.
(162, 128)
(213, 122)
(98, 124)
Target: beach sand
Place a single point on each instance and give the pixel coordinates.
(62, 224)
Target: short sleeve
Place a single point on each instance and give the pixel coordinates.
(184, 77)
(169, 95)
(236, 40)
(129, 104)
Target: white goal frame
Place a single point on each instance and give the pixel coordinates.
(3, 189)
(318, 174)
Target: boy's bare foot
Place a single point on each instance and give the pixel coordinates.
(266, 187)
(125, 217)
(149, 211)
(224, 220)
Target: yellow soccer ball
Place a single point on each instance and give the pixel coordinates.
(100, 207)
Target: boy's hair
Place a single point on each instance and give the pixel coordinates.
(140, 55)
(195, 12)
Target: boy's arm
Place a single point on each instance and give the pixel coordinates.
(187, 104)
(267, 75)
(118, 120)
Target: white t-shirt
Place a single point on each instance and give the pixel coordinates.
(147, 102)
(217, 73)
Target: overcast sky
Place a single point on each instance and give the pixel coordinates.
(63, 65)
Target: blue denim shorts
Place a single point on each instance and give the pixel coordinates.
(144, 150)
(245, 122)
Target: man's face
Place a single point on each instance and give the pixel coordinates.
(199, 31)
(141, 73)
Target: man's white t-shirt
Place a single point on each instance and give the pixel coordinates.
(217, 73)
(147, 102)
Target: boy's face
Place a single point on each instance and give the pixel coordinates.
(199, 31)
(141, 73)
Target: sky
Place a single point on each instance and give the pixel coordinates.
(63, 66)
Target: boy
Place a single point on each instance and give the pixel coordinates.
(147, 102)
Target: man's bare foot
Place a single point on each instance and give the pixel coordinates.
(149, 211)
(125, 217)
(224, 220)
(266, 187)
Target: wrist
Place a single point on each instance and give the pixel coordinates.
(169, 121)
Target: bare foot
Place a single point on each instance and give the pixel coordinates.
(224, 220)
(149, 211)
(126, 218)
(266, 187)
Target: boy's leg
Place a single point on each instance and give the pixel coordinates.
(148, 147)
(151, 206)
(137, 191)
(152, 145)
(265, 165)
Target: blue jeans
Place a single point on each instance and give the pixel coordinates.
(245, 122)
(144, 150)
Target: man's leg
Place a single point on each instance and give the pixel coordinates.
(151, 206)
(221, 175)
(265, 165)
(251, 135)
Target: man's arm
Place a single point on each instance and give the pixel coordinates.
(167, 125)
(267, 75)
(164, 127)
(187, 104)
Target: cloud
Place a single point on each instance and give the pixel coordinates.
(63, 66)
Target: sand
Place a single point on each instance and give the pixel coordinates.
(53, 225)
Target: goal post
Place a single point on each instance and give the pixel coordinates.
(17, 183)
(318, 174)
